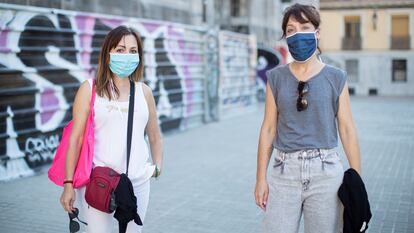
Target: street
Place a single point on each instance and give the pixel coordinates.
(209, 172)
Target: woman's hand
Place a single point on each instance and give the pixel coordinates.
(261, 193)
(68, 198)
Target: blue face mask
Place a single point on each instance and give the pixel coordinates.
(123, 64)
(302, 45)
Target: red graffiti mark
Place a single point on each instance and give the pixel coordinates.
(283, 51)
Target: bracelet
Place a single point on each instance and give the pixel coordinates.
(68, 182)
(157, 171)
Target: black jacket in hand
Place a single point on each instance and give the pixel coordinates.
(354, 197)
(126, 204)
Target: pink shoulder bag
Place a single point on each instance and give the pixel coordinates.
(83, 168)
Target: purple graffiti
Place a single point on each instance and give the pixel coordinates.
(112, 23)
(58, 51)
(3, 41)
(151, 27)
(85, 25)
(49, 104)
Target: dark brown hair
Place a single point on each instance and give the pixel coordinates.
(103, 73)
(297, 11)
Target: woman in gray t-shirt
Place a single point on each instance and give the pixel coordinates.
(307, 103)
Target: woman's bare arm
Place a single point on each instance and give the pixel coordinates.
(79, 117)
(347, 131)
(265, 148)
(152, 129)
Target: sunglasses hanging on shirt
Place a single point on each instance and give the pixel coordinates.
(302, 103)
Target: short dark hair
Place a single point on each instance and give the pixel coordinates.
(296, 12)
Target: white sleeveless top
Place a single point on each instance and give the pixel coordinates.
(110, 125)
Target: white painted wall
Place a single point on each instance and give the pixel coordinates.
(375, 71)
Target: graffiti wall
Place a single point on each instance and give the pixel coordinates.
(237, 68)
(45, 54)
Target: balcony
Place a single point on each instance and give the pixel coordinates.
(351, 43)
(400, 42)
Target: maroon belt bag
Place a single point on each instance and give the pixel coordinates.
(100, 191)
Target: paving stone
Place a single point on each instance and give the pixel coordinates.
(209, 176)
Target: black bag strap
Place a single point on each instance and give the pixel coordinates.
(130, 120)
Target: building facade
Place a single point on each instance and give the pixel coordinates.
(262, 18)
(259, 17)
(179, 11)
(373, 41)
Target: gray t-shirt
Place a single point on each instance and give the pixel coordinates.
(315, 127)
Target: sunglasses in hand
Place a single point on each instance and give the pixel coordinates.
(73, 225)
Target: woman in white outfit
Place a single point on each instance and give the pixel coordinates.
(120, 59)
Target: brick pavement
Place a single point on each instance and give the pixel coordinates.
(209, 174)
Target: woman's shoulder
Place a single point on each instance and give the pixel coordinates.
(145, 88)
(83, 95)
(335, 71)
(337, 76)
(279, 70)
(86, 87)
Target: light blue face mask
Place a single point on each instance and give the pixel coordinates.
(123, 64)
(302, 45)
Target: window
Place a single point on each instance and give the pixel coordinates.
(352, 27)
(235, 8)
(352, 68)
(352, 38)
(400, 38)
(399, 70)
(372, 91)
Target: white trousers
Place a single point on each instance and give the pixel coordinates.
(100, 222)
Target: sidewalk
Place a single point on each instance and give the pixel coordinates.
(209, 176)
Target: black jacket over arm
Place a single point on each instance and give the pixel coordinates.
(354, 197)
(126, 204)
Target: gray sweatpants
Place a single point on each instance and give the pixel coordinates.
(304, 182)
